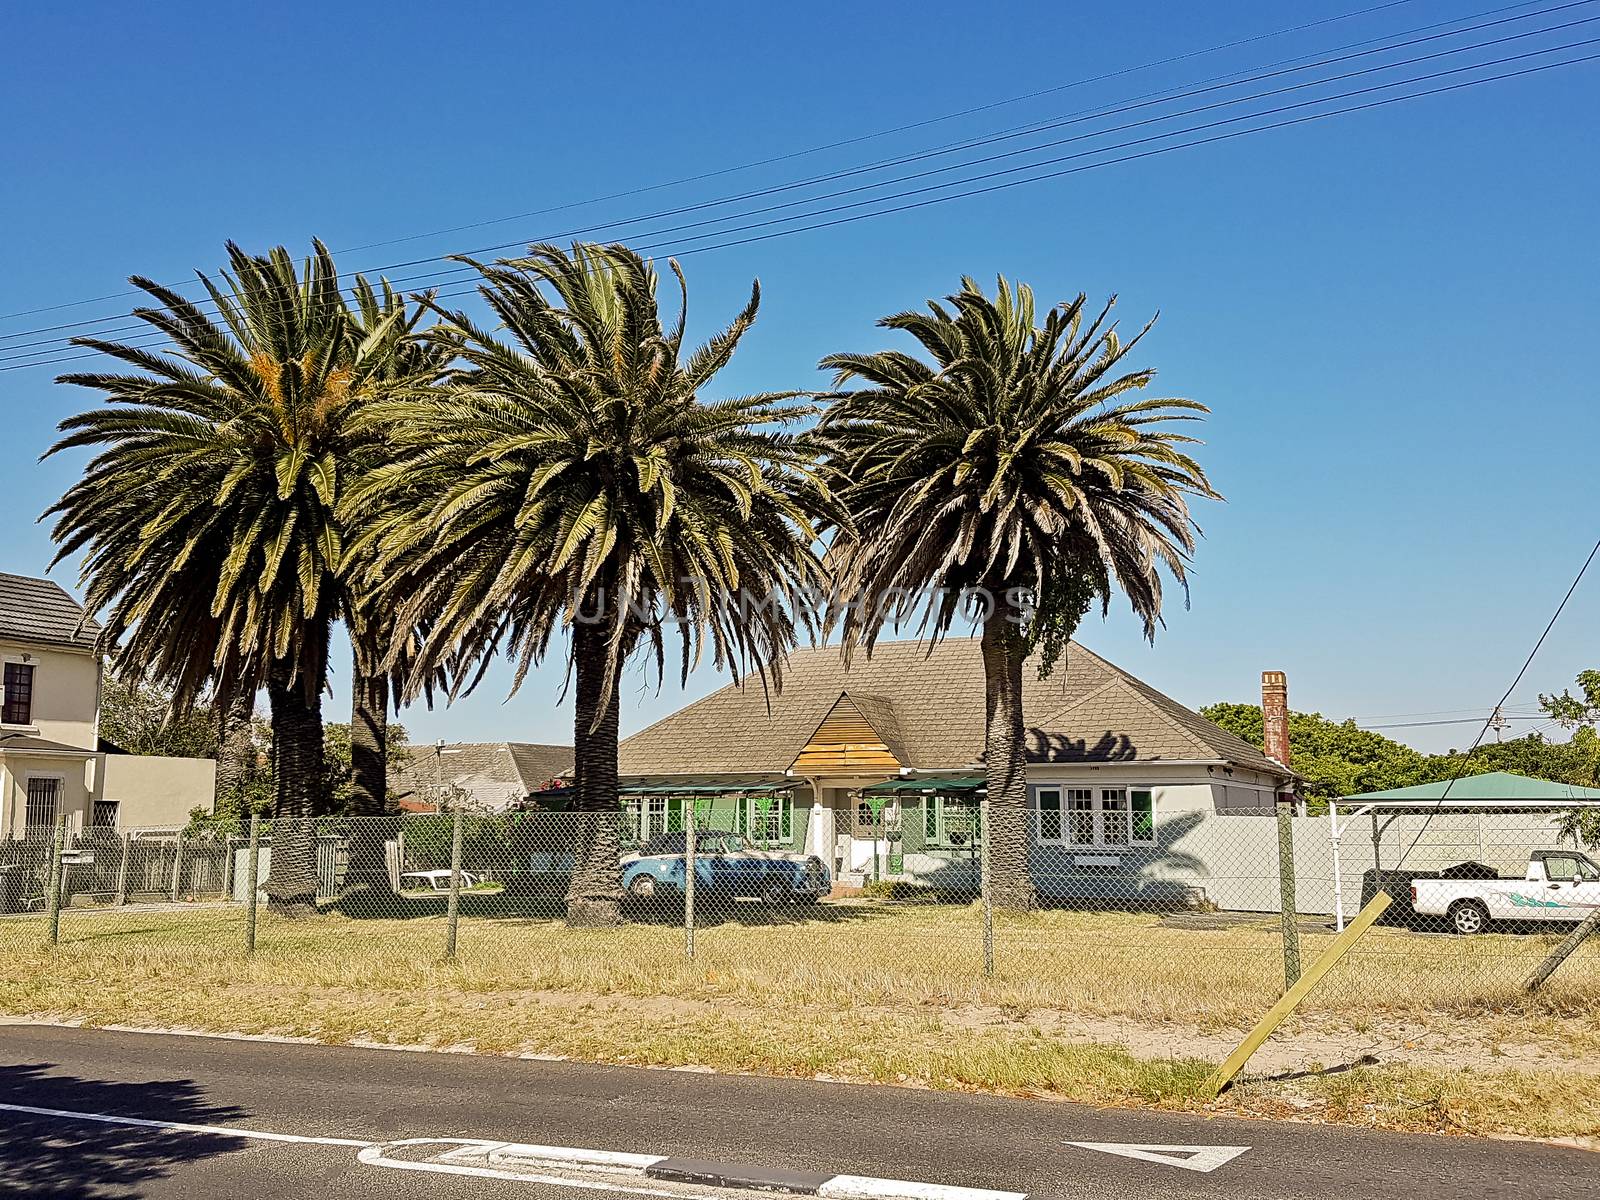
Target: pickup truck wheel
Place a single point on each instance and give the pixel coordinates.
(643, 887)
(1468, 916)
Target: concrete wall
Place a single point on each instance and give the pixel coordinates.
(66, 693)
(72, 797)
(1232, 861)
(153, 791)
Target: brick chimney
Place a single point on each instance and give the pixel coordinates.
(1275, 715)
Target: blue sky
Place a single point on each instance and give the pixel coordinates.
(1391, 313)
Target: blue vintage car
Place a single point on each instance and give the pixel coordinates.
(726, 868)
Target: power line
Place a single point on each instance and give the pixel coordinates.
(822, 148)
(1308, 119)
(1460, 721)
(1526, 663)
(1164, 97)
(16, 361)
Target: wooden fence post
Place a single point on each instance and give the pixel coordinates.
(53, 895)
(985, 882)
(252, 883)
(122, 869)
(452, 912)
(689, 870)
(1286, 900)
(177, 865)
(1586, 928)
(1290, 1000)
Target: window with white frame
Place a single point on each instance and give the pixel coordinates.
(952, 820)
(16, 708)
(1081, 816)
(767, 820)
(647, 816)
(44, 799)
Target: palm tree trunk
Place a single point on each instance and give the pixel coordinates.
(594, 897)
(369, 755)
(1005, 760)
(298, 766)
(369, 780)
(236, 749)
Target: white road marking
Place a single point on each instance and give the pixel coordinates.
(183, 1127)
(553, 1165)
(864, 1187)
(376, 1156)
(1204, 1159)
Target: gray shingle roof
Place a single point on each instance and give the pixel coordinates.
(40, 610)
(931, 706)
(496, 773)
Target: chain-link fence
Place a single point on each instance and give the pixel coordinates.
(1089, 898)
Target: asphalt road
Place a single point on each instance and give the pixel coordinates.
(353, 1097)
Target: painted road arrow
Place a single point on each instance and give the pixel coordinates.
(1204, 1159)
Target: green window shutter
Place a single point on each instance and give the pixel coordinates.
(1049, 813)
(1144, 816)
(914, 825)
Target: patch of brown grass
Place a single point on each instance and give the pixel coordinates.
(869, 992)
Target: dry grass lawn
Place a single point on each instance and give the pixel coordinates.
(1102, 1007)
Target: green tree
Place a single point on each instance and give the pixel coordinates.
(1008, 463)
(1580, 714)
(379, 648)
(1335, 758)
(208, 511)
(573, 477)
(138, 718)
(339, 753)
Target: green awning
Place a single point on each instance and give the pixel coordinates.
(968, 783)
(1482, 790)
(702, 789)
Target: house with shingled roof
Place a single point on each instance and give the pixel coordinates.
(878, 769)
(482, 776)
(52, 761)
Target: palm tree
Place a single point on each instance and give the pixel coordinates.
(378, 649)
(208, 512)
(572, 476)
(1007, 473)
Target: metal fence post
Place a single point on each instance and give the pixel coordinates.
(53, 896)
(252, 883)
(452, 912)
(122, 869)
(1291, 930)
(984, 883)
(689, 868)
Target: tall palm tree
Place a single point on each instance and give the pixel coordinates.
(406, 363)
(572, 477)
(208, 512)
(1009, 472)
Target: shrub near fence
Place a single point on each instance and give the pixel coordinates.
(1147, 920)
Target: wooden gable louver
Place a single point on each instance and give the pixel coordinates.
(845, 743)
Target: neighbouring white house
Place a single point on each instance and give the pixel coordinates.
(877, 770)
(52, 761)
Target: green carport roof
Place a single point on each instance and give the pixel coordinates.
(969, 783)
(1494, 786)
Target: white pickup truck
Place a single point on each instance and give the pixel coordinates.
(1561, 885)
